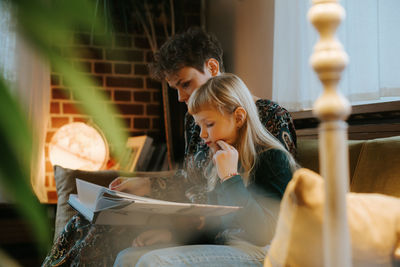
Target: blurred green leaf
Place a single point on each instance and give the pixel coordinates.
(48, 25)
(16, 145)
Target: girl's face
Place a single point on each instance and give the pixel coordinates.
(216, 126)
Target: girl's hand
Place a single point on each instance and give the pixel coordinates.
(134, 185)
(226, 160)
(152, 237)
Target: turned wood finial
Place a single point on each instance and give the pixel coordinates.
(329, 60)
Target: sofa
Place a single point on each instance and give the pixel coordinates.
(374, 167)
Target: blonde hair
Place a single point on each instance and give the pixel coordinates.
(226, 93)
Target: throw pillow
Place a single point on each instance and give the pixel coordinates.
(65, 185)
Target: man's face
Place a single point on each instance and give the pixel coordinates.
(186, 80)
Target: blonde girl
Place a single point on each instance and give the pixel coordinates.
(248, 167)
(230, 97)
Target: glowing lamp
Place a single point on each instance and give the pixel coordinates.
(78, 146)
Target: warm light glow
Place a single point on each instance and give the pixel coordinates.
(78, 146)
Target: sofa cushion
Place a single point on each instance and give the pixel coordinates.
(378, 167)
(65, 185)
(308, 157)
(307, 154)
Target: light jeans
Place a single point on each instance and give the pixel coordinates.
(194, 255)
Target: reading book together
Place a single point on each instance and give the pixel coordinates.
(101, 205)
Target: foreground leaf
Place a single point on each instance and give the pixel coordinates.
(16, 146)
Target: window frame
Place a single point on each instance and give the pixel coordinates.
(367, 121)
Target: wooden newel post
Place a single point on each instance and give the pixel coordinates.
(329, 60)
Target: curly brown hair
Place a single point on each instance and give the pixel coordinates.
(191, 48)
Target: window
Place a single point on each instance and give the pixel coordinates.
(370, 37)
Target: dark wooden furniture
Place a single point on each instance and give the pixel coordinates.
(365, 122)
(16, 238)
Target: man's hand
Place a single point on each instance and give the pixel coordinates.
(152, 237)
(189, 222)
(134, 185)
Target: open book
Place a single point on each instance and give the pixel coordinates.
(101, 205)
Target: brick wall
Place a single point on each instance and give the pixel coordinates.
(121, 73)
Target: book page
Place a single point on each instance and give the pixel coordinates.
(100, 198)
(136, 198)
(176, 208)
(106, 201)
(88, 192)
(168, 207)
(83, 209)
(93, 196)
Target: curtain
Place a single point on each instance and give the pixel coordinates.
(29, 77)
(33, 79)
(7, 43)
(370, 37)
